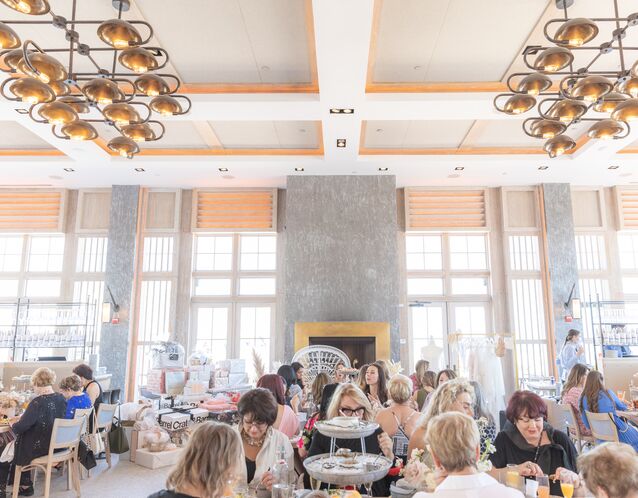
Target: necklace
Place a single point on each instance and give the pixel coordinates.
(253, 442)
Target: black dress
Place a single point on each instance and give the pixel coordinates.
(512, 448)
(321, 444)
(165, 493)
(98, 401)
(33, 430)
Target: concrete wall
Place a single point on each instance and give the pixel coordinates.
(341, 255)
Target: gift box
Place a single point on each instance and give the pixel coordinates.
(136, 442)
(174, 421)
(232, 366)
(157, 459)
(198, 415)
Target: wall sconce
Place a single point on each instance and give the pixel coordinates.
(576, 308)
(106, 312)
(573, 307)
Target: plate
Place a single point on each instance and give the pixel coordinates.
(331, 429)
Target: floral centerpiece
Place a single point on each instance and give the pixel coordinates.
(9, 403)
(484, 464)
(416, 476)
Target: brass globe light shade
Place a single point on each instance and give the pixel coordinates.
(8, 37)
(591, 88)
(576, 32)
(610, 101)
(534, 84)
(567, 110)
(557, 146)
(605, 129)
(31, 90)
(79, 130)
(47, 68)
(33, 7)
(103, 91)
(151, 85)
(77, 104)
(119, 34)
(124, 146)
(626, 111)
(553, 59)
(121, 114)
(138, 60)
(634, 69)
(166, 105)
(139, 132)
(519, 103)
(58, 113)
(547, 128)
(60, 88)
(630, 87)
(13, 58)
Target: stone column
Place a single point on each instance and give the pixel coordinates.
(119, 277)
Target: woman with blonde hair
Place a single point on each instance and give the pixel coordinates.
(456, 395)
(207, 466)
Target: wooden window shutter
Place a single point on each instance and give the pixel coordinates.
(32, 210)
(627, 199)
(430, 209)
(235, 210)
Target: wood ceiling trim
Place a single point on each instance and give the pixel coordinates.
(230, 152)
(218, 88)
(443, 87)
(31, 152)
(629, 150)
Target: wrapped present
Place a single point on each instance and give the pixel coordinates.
(174, 421)
(198, 415)
(157, 459)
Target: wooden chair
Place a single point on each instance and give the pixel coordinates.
(572, 427)
(65, 437)
(602, 426)
(104, 420)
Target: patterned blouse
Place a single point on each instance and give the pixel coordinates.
(572, 398)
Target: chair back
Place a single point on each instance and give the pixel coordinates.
(66, 433)
(105, 414)
(87, 413)
(554, 416)
(602, 426)
(568, 420)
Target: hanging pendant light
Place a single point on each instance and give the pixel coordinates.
(33, 7)
(626, 111)
(519, 103)
(121, 114)
(605, 129)
(79, 130)
(534, 84)
(547, 128)
(139, 132)
(138, 60)
(151, 85)
(567, 110)
(103, 91)
(553, 59)
(630, 87)
(576, 32)
(77, 104)
(591, 88)
(8, 37)
(60, 88)
(119, 34)
(57, 113)
(610, 101)
(166, 105)
(557, 146)
(124, 146)
(32, 91)
(47, 68)
(12, 58)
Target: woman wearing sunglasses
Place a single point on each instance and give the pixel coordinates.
(350, 401)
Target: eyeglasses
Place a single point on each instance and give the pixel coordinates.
(256, 425)
(528, 421)
(350, 412)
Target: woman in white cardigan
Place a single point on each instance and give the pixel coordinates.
(260, 440)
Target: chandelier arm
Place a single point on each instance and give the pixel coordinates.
(620, 51)
(161, 135)
(25, 55)
(145, 105)
(540, 110)
(71, 38)
(54, 131)
(495, 101)
(524, 126)
(627, 129)
(31, 109)
(4, 85)
(187, 110)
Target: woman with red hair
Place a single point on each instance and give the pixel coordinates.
(287, 422)
(534, 446)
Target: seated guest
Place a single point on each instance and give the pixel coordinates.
(610, 471)
(428, 385)
(572, 391)
(456, 395)
(441, 378)
(485, 420)
(287, 421)
(316, 391)
(529, 442)
(419, 369)
(71, 389)
(260, 440)
(597, 398)
(90, 386)
(350, 401)
(339, 375)
(299, 370)
(400, 419)
(375, 385)
(293, 391)
(207, 464)
(34, 428)
(309, 429)
(453, 439)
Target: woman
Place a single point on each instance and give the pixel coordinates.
(441, 378)
(530, 443)
(375, 386)
(597, 398)
(572, 352)
(400, 419)
(419, 369)
(299, 370)
(90, 386)
(454, 440)
(293, 391)
(572, 392)
(484, 419)
(361, 377)
(456, 395)
(350, 401)
(428, 385)
(207, 464)
(260, 440)
(340, 375)
(309, 428)
(71, 389)
(610, 459)
(34, 428)
(321, 380)
(286, 421)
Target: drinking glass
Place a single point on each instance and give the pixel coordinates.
(566, 485)
(543, 486)
(512, 477)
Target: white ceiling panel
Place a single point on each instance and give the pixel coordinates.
(416, 134)
(266, 134)
(16, 136)
(179, 135)
(509, 133)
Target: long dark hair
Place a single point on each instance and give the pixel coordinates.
(296, 366)
(451, 374)
(326, 398)
(575, 377)
(594, 385)
(479, 404)
(381, 383)
(275, 384)
(570, 334)
(289, 376)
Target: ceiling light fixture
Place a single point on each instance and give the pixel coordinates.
(299, 169)
(223, 170)
(69, 170)
(613, 167)
(335, 110)
(543, 168)
(48, 79)
(563, 93)
(459, 168)
(140, 170)
(383, 169)
(341, 142)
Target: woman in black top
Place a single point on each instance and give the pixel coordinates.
(33, 429)
(91, 387)
(529, 442)
(207, 464)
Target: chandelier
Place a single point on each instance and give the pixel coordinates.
(563, 95)
(125, 97)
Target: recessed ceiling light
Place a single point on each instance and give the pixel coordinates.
(337, 110)
(223, 170)
(22, 111)
(299, 169)
(542, 168)
(140, 170)
(613, 167)
(302, 130)
(383, 169)
(341, 142)
(69, 170)
(379, 130)
(459, 168)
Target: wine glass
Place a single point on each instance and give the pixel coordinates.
(566, 485)
(369, 467)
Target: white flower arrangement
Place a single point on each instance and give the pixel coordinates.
(416, 473)
(484, 464)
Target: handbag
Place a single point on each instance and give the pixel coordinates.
(8, 452)
(86, 456)
(94, 439)
(118, 443)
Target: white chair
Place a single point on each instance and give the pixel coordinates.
(602, 426)
(570, 421)
(65, 437)
(104, 420)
